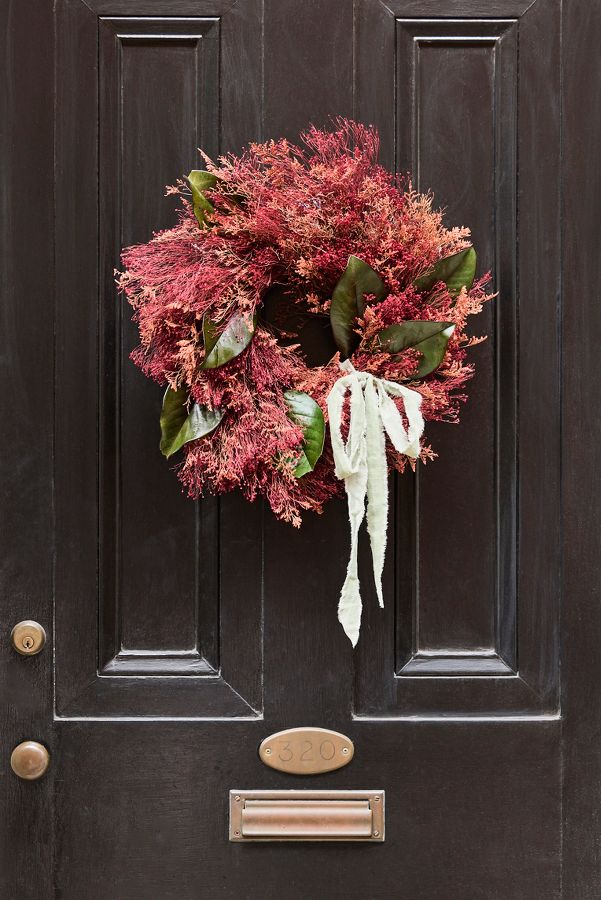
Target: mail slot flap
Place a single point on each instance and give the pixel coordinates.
(307, 816)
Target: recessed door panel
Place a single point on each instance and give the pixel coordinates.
(155, 574)
(466, 633)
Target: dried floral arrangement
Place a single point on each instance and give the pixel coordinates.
(350, 242)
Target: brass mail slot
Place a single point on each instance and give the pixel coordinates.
(306, 815)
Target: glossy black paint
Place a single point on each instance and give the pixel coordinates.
(182, 635)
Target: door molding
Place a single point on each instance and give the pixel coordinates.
(473, 628)
(152, 616)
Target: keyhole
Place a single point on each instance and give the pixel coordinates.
(28, 637)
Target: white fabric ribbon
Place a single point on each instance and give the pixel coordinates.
(361, 462)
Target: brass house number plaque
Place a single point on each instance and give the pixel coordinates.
(306, 751)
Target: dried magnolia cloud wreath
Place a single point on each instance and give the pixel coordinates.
(344, 240)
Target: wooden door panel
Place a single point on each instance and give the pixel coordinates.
(471, 814)
(158, 591)
(473, 627)
(158, 578)
(459, 80)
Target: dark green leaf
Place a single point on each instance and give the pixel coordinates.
(456, 271)
(180, 426)
(306, 413)
(210, 334)
(199, 181)
(399, 337)
(226, 345)
(430, 338)
(357, 280)
(433, 350)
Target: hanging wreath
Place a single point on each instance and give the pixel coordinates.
(337, 239)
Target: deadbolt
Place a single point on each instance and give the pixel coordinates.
(28, 637)
(29, 760)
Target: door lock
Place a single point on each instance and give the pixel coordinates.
(28, 637)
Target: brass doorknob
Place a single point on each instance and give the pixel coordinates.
(29, 760)
(28, 637)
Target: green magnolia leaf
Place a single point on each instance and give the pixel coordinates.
(306, 413)
(223, 346)
(199, 181)
(433, 350)
(430, 338)
(180, 426)
(456, 271)
(210, 335)
(399, 337)
(357, 280)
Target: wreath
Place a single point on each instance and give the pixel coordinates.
(267, 243)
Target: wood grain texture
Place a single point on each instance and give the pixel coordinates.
(471, 813)
(467, 9)
(143, 561)
(159, 101)
(26, 404)
(308, 80)
(456, 115)
(581, 660)
(153, 726)
(478, 123)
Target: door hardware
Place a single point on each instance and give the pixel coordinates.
(307, 816)
(306, 751)
(28, 637)
(29, 760)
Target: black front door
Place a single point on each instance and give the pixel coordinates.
(180, 635)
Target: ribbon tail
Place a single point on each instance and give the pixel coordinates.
(351, 466)
(377, 485)
(349, 605)
(407, 442)
(361, 462)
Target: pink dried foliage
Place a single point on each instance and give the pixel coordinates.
(291, 215)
